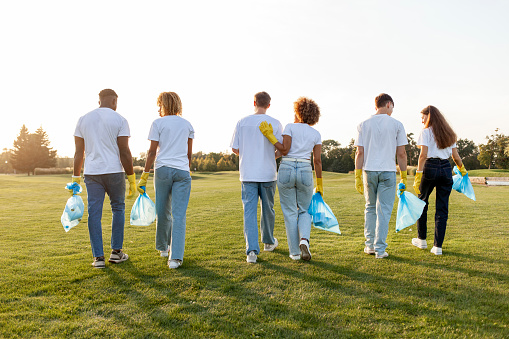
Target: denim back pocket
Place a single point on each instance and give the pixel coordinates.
(306, 177)
(284, 174)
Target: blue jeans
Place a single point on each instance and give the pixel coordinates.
(112, 184)
(437, 173)
(173, 188)
(295, 185)
(250, 193)
(379, 192)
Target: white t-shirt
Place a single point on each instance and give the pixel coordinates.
(172, 132)
(380, 135)
(427, 138)
(304, 139)
(256, 153)
(100, 129)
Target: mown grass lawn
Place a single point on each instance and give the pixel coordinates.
(49, 289)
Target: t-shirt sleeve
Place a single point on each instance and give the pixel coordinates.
(124, 129)
(287, 130)
(77, 131)
(358, 140)
(422, 140)
(191, 131)
(154, 132)
(318, 138)
(401, 138)
(235, 138)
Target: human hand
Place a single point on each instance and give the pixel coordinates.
(132, 185)
(319, 186)
(268, 132)
(417, 182)
(359, 186)
(143, 182)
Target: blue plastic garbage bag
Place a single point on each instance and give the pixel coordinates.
(74, 208)
(462, 184)
(143, 212)
(322, 216)
(409, 209)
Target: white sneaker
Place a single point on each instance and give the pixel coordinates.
(251, 257)
(436, 250)
(295, 256)
(381, 256)
(165, 253)
(174, 263)
(270, 247)
(369, 250)
(304, 250)
(419, 243)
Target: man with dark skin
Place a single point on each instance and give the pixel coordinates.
(102, 142)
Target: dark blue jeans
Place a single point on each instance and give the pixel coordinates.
(437, 174)
(97, 186)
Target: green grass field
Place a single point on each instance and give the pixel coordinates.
(49, 289)
(489, 173)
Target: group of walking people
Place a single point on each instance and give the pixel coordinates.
(101, 139)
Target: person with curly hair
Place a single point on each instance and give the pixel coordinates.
(379, 139)
(295, 175)
(438, 142)
(171, 147)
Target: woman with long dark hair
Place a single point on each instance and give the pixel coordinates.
(437, 142)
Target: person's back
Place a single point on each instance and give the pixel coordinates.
(257, 162)
(380, 135)
(100, 129)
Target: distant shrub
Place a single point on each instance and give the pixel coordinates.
(53, 170)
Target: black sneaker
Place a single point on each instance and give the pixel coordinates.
(117, 257)
(99, 262)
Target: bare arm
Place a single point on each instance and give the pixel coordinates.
(284, 147)
(359, 157)
(235, 150)
(125, 155)
(456, 157)
(189, 150)
(151, 155)
(422, 158)
(79, 154)
(401, 156)
(317, 160)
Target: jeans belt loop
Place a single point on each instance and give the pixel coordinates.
(297, 160)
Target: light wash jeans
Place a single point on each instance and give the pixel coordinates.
(250, 193)
(295, 185)
(173, 188)
(379, 192)
(112, 184)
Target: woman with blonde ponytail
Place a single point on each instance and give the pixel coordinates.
(437, 142)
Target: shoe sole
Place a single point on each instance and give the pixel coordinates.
(370, 252)
(113, 261)
(305, 252)
(275, 244)
(102, 266)
(420, 246)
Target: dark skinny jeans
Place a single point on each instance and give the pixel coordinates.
(437, 173)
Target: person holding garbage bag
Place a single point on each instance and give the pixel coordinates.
(379, 139)
(171, 147)
(437, 142)
(102, 136)
(295, 175)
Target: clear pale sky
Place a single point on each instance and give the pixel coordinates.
(57, 55)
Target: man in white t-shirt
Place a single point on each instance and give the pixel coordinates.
(380, 139)
(102, 140)
(258, 174)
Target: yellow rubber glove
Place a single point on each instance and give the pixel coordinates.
(463, 170)
(267, 131)
(403, 179)
(143, 182)
(77, 180)
(417, 182)
(132, 185)
(319, 186)
(359, 186)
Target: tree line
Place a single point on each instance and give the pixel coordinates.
(32, 150)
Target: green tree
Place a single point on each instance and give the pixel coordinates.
(32, 150)
(412, 150)
(5, 163)
(469, 153)
(493, 153)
